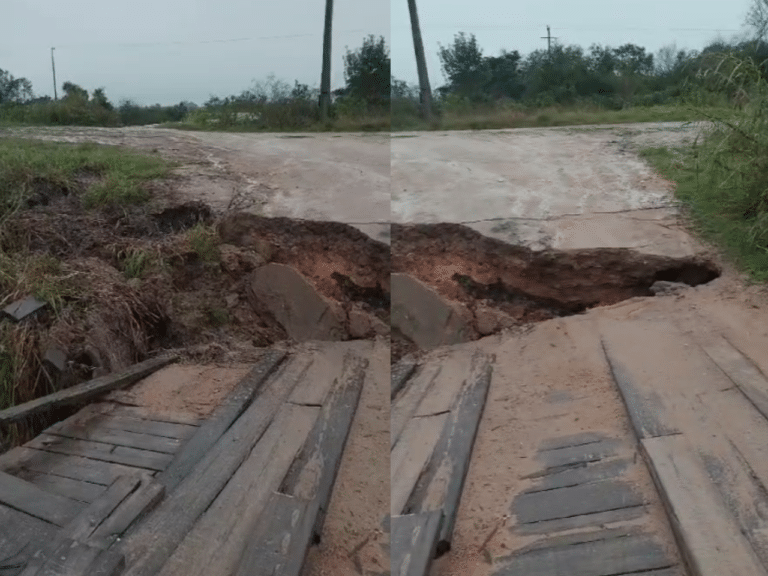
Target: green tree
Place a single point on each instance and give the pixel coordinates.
(100, 99)
(367, 71)
(74, 92)
(504, 78)
(14, 89)
(464, 66)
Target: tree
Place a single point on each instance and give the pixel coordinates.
(100, 99)
(14, 89)
(464, 66)
(504, 76)
(757, 18)
(632, 60)
(74, 92)
(367, 71)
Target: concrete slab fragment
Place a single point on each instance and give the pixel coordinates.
(295, 304)
(23, 308)
(425, 317)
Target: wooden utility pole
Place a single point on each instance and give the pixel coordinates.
(421, 63)
(549, 39)
(53, 65)
(325, 80)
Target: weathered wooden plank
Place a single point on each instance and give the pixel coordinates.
(74, 489)
(144, 413)
(312, 476)
(441, 485)
(594, 472)
(410, 457)
(709, 537)
(582, 521)
(575, 501)
(742, 371)
(630, 554)
(30, 499)
(326, 360)
(325, 444)
(108, 563)
(81, 527)
(586, 453)
(21, 535)
(74, 467)
(217, 541)
(400, 373)
(149, 546)
(99, 451)
(405, 405)
(149, 427)
(414, 542)
(221, 420)
(86, 391)
(149, 493)
(95, 433)
(444, 390)
(277, 545)
(579, 439)
(549, 542)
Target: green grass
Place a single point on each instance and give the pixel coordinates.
(204, 241)
(519, 117)
(717, 213)
(114, 176)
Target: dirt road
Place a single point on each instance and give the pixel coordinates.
(563, 188)
(328, 177)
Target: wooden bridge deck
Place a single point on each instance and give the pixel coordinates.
(126, 490)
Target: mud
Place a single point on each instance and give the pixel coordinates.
(528, 286)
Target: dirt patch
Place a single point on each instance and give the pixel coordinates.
(503, 285)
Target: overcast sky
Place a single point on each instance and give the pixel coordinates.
(171, 50)
(520, 24)
(183, 56)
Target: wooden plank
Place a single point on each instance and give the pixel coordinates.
(144, 413)
(410, 457)
(414, 542)
(21, 535)
(95, 433)
(278, 542)
(709, 537)
(221, 420)
(217, 541)
(579, 439)
(575, 501)
(325, 444)
(584, 453)
(441, 485)
(148, 547)
(582, 521)
(311, 391)
(74, 467)
(549, 542)
(64, 557)
(742, 371)
(83, 525)
(149, 427)
(86, 391)
(400, 374)
(30, 499)
(74, 489)
(631, 554)
(310, 480)
(98, 451)
(595, 472)
(149, 493)
(405, 405)
(442, 394)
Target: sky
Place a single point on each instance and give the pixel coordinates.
(520, 25)
(166, 51)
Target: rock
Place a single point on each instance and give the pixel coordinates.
(425, 317)
(489, 320)
(296, 305)
(232, 299)
(237, 261)
(664, 288)
(365, 325)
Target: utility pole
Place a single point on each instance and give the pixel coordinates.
(325, 80)
(421, 63)
(53, 65)
(549, 39)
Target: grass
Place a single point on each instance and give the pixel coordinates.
(204, 241)
(519, 117)
(717, 213)
(104, 175)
